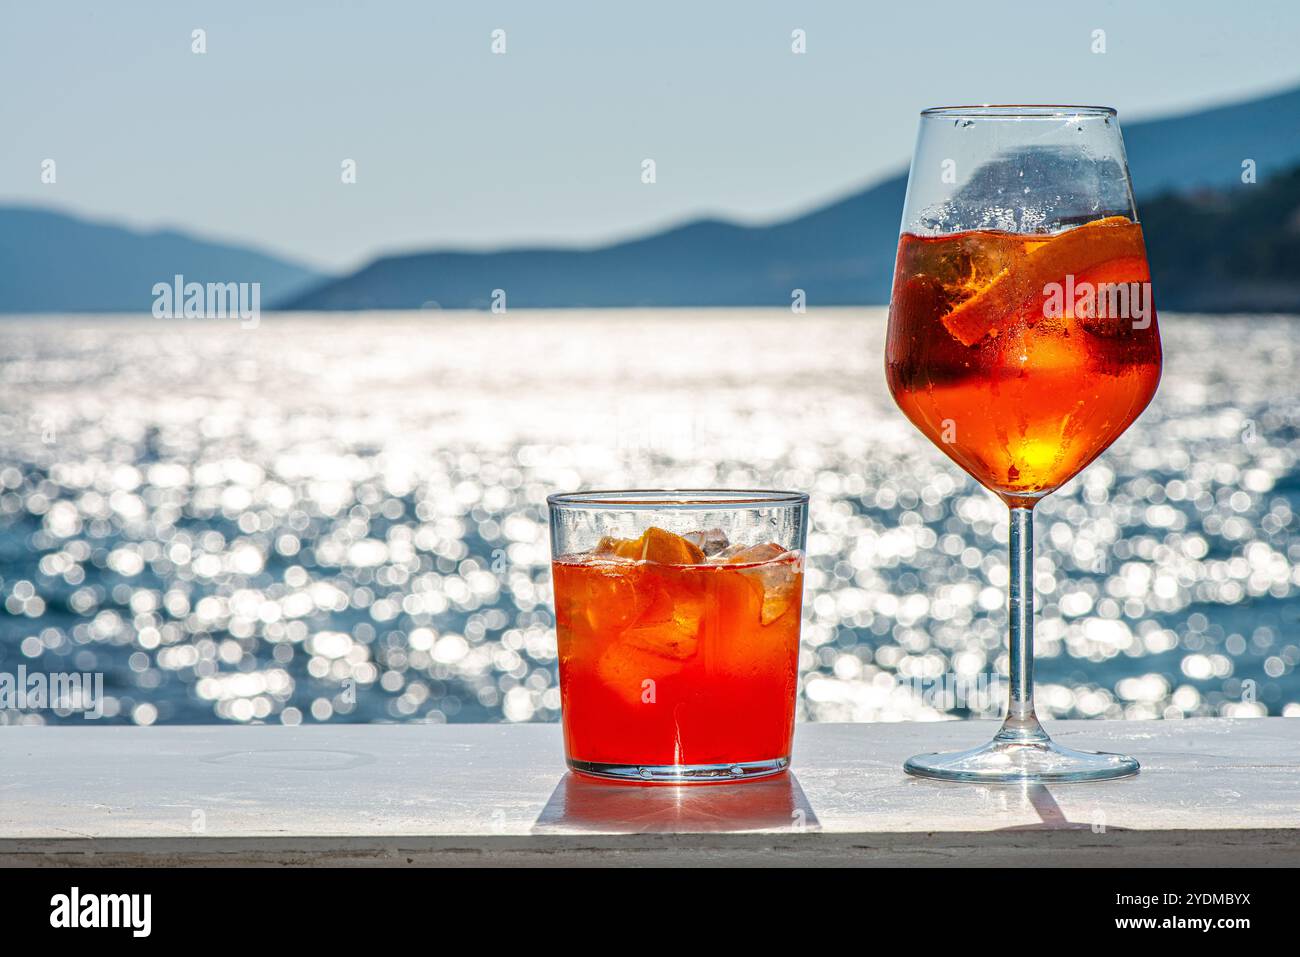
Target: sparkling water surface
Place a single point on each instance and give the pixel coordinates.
(342, 518)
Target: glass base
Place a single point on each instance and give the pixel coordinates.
(681, 773)
(1017, 757)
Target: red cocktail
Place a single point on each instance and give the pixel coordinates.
(679, 654)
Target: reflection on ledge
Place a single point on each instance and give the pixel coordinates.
(584, 804)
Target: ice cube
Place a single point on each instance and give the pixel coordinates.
(633, 674)
(748, 554)
(775, 573)
(669, 624)
(611, 601)
(710, 542)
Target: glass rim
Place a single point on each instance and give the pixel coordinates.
(1020, 111)
(711, 499)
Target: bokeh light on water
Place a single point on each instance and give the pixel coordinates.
(342, 518)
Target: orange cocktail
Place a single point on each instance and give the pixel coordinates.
(678, 655)
(1024, 356)
(1022, 342)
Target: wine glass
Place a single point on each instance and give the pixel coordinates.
(1022, 342)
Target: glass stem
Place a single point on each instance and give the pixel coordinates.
(1021, 723)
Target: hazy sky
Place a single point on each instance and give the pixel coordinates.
(458, 147)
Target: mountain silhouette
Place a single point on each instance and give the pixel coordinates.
(54, 262)
(1227, 250)
(841, 254)
(1201, 223)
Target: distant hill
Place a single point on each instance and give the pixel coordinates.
(704, 263)
(1214, 244)
(53, 262)
(843, 253)
(1206, 148)
(1227, 250)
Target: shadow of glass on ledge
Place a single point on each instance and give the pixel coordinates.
(583, 804)
(1051, 817)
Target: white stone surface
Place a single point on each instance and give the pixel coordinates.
(1212, 791)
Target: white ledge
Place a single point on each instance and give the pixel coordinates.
(1212, 791)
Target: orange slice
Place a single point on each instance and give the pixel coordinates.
(1098, 316)
(609, 546)
(1075, 250)
(668, 549)
(654, 545)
